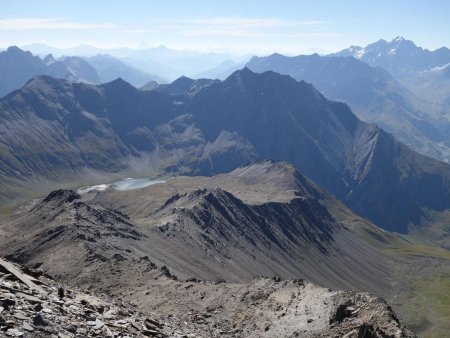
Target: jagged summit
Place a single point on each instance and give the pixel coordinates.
(398, 56)
(43, 80)
(247, 79)
(398, 38)
(15, 50)
(61, 196)
(49, 59)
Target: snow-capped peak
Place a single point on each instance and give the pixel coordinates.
(398, 39)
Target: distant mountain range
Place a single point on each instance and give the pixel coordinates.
(399, 56)
(413, 105)
(221, 71)
(74, 127)
(166, 62)
(110, 68)
(18, 66)
(372, 93)
(174, 196)
(424, 72)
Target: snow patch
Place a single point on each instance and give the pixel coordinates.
(360, 53)
(393, 51)
(123, 185)
(438, 68)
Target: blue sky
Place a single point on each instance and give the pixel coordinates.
(244, 26)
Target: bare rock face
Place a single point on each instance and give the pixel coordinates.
(362, 315)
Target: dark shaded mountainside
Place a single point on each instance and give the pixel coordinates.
(373, 95)
(74, 128)
(424, 72)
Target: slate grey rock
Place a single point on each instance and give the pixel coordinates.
(39, 320)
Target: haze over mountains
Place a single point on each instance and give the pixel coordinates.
(423, 71)
(165, 62)
(411, 103)
(325, 168)
(18, 66)
(373, 94)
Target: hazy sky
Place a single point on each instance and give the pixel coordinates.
(244, 26)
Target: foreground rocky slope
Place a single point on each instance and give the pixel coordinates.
(34, 305)
(266, 219)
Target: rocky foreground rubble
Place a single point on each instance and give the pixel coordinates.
(34, 305)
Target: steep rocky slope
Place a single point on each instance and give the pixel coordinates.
(373, 95)
(78, 129)
(327, 143)
(424, 72)
(263, 219)
(266, 219)
(201, 231)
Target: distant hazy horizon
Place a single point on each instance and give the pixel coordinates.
(240, 28)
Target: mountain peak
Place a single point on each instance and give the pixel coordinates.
(14, 49)
(39, 80)
(401, 41)
(276, 55)
(62, 195)
(183, 80)
(398, 39)
(243, 73)
(119, 84)
(49, 59)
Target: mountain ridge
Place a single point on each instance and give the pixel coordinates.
(221, 126)
(398, 55)
(372, 93)
(17, 67)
